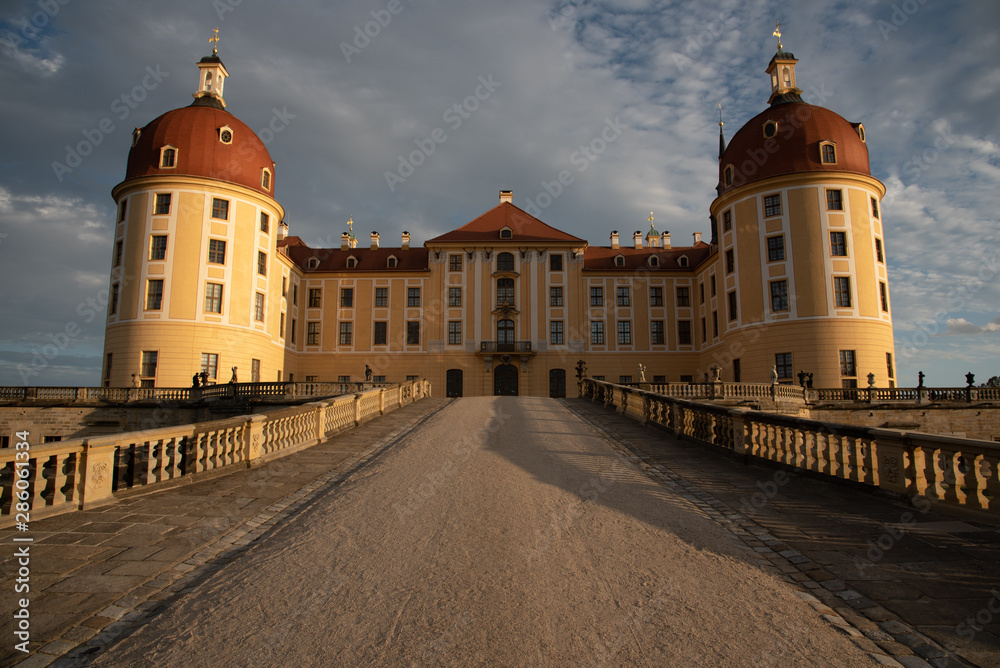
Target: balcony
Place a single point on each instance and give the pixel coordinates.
(497, 347)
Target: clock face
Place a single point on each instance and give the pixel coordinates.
(227, 136)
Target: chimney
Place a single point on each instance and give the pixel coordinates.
(406, 240)
(665, 240)
(345, 241)
(697, 238)
(614, 239)
(507, 196)
(375, 240)
(282, 230)
(637, 239)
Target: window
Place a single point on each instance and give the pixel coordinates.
(413, 297)
(711, 280)
(730, 261)
(684, 332)
(838, 243)
(733, 312)
(619, 260)
(291, 331)
(213, 298)
(884, 294)
(265, 222)
(123, 207)
(847, 365)
(107, 383)
(158, 247)
(890, 372)
(772, 205)
(783, 364)
(878, 250)
(597, 296)
(343, 379)
(168, 157)
(624, 299)
(624, 380)
(148, 368)
(715, 324)
(295, 294)
(624, 332)
(874, 207)
(216, 251)
(454, 263)
(113, 306)
(779, 296)
(656, 296)
(381, 336)
(262, 263)
(312, 379)
(347, 298)
(682, 261)
(506, 233)
(119, 248)
(654, 261)
(842, 290)
(505, 262)
(597, 332)
(505, 331)
(381, 296)
(315, 297)
(829, 154)
(154, 294)
(413, 333)
(454, 296)
(701, 292)
(737, 372)
(284, 286)
(656, 332)
(683, 296)
(210, 364)
(727, 221)
(312, 332)
(392, 262)
(776, 248)
(378, 379)
(834, 201)
(555, 296)
(346, 333)
(505, 291)
(281, 325)
(729, 175)
(254, 370)
(556, 262)
(352, 262)
(704, 330)
(454, 332)
(770, 129)
(265, 179)
(258, 310)
(161, 207)
(220, 208)
(556, 332)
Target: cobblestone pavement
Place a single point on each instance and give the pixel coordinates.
(95, 573)
(920, 581)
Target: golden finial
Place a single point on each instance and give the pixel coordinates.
(650, 219)
(777, 33)
(720, 114)
(350, 224)
(215, 41)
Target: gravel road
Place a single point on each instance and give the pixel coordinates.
(503, 532)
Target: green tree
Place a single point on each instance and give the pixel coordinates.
(993, 382)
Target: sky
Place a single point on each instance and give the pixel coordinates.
(344, 92)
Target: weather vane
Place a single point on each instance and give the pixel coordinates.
(350, 224)
(650, 220)
(777, 33)
(215, 41)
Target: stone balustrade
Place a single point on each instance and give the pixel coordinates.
(948, 469)
(86, 472)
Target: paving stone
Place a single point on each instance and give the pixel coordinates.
(913, 662)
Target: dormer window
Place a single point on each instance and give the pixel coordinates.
(313, 263)
(135, 136)
(226, 134)
(828, 153)
(265, 179)
(682, 261)
(654, 261)
(352, 262)
(728, 175)
(506, 233)
(168, 157)
(860, 128)
(770, 129)
(619, 260)
(392, 262)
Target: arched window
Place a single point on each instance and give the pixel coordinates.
(313, 262)
(265, 180)
(392, 262)
(729, 175)
(168, 157)
(352, 262)
(619, 260)
(828, 153)
(208, 81)
(506, 233)
(505, 262)
(505, 333)
(505, 291)
(682, 261)
(654, 261)
(788, 77)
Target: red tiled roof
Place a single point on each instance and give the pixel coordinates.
(334, 259)
(524, 227)
(602, 258)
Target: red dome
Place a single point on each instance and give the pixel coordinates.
(195, 133)
(794, 146)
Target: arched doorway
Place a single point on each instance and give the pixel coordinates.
(557, 383)
(505, 381)
(454, 383)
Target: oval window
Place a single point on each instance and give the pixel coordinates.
(770, 129)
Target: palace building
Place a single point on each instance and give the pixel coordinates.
(205, 276)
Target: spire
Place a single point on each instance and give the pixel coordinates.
(782, 72)
(722, 137)
(211, 77)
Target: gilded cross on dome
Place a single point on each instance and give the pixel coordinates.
(650, 219)
(350, 224)
(215, 41)
(777, 33)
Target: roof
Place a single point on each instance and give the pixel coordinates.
(602, 258)
(795, 146)
(524, 227)
(335, 259)
(194, 132)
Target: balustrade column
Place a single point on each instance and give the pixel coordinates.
(97, 471)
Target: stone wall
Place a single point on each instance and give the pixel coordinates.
(63, 423)
(977, 422)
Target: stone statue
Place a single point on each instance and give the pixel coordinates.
(233, 379)
(642, 373)
(809, 380)
(802, 378)
(774, 375)
(871, 380)
(194, 381)
(920, 379)
(135, 380)
(204, 378)
(368, 374)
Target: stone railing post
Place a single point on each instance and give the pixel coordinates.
(98, 472)
(357, 410)
(320, 420)
(399, 395)
(739, 431)
(253, 440)
(646, 409)
(381, 401)
(893, 461)
(623, 401)
(675, 419)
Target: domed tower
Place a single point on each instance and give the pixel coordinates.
(194, 278)
(801, 247)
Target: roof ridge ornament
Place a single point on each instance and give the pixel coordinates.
(776, 33)
(214, 39)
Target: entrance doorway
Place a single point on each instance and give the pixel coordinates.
(505, 381)
(454, 383)
(557, 383)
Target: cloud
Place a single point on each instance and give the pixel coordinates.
(962, 327)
